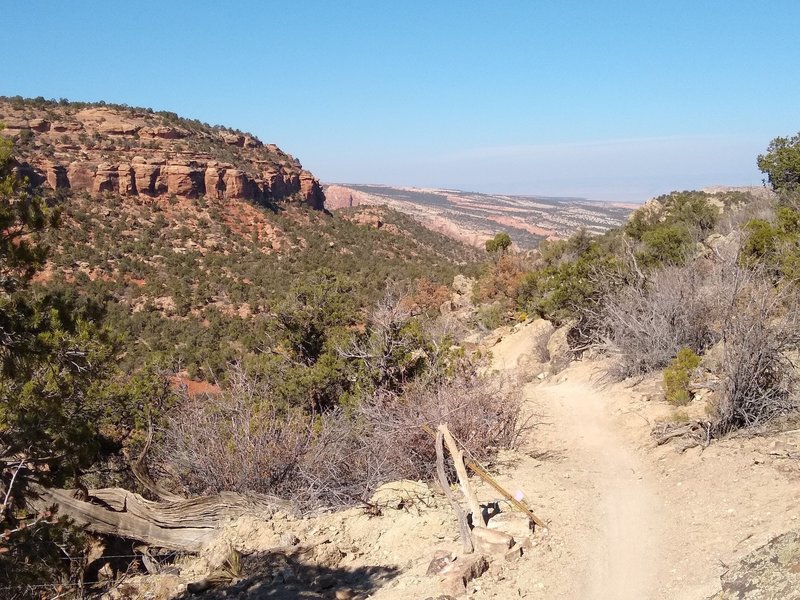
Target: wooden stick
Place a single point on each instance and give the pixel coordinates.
(481, 472)
(463, 526)
(463, 478)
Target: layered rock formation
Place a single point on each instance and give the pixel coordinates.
(136, 152)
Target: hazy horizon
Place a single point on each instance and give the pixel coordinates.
(617, 101)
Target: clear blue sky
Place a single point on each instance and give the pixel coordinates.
(609, 100)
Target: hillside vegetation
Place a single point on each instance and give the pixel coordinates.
(703, 283)
(198, 283)
(305, 327)
(181, 345)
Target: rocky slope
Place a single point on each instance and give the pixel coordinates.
(99, 148)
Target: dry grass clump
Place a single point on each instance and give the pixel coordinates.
(241, 440)
(238, 440)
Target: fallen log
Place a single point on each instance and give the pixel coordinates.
(185, 525)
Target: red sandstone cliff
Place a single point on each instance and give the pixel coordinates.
(137, 152)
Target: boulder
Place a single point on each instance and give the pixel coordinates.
(118, 127)
(723, 247)
(146, 176)
(311, 191)
(462, 571)
(13, 123)
(516, 524)
(271, 178)
(440, 562)
(650, 210)
(233, 139)
(57, 177)
(81, 176)
(106, 179)
(462, 291)
(40, 125)
(215, 182)
(516, 552)
(713, 359)
(186, 180)
(491, 541)
(237, 184)
(108, 121)
(289, 539)
(65, 126)
(163, 132)
(463, 285)
(127, 180)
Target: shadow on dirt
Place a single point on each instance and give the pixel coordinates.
(288, 574)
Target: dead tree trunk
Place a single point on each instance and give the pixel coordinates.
(463, 526)
(186, 525)
(463, 479)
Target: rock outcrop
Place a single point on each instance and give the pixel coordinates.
(136, 152)
(771, 571)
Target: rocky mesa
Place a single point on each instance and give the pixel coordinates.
(116, 149)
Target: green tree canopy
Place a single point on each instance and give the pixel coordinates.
(60, 395)
(64, 406)
(781, 163)
(500, 243)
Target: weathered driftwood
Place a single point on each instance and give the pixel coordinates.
(698, 432)
(185, 525)
(463, 526)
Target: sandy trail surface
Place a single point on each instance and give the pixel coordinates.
(620, 547)
(629, 519)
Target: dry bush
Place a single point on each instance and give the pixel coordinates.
(237, 440)
(501, 281)
(430, 296)
(481, 412)
(241, 440)
(761, 328)
(734, 219)
(644, 326)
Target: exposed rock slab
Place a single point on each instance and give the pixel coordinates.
(772, 571)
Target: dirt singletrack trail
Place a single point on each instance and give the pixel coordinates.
(630, 519)
(633, 520)
(616, 549)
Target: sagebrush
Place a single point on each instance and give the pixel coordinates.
(243, 440)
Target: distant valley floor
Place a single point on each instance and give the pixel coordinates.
(472, 217)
